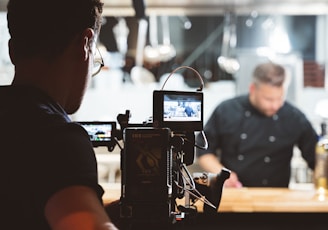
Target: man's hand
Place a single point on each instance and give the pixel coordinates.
(233, 181)
(210, 163)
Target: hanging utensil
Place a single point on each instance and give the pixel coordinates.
(166, 50)
(229, 42)
(121, 32)
(139, 74)
(151, 52)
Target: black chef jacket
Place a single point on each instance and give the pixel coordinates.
(258, 148)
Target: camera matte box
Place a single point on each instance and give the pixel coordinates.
(146, 174)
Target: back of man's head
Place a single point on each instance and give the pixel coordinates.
(44, 28)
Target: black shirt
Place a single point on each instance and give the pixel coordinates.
(42, 151)
(259, 148)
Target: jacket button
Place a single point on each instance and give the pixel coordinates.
(267, 159)
(243, 136)
(247, 113)
(240, 157)
(275, 117)
(272, 138)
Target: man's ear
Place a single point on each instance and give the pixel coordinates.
(87, 41)
(252, 87)
(11, 51)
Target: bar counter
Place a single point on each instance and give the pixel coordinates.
(272, 200)
(256, 209)
(254, 199)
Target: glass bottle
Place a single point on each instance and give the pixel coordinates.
(321, 165)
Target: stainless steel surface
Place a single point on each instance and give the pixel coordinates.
(214, 7)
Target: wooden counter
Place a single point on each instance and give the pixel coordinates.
(248, 200)
(272, 200)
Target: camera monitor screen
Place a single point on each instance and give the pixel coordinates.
(100, 133)
(178, 110)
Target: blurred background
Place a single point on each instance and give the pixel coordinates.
(143, 41)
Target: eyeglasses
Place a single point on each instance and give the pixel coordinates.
(98, 63)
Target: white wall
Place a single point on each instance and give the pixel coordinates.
(108, 96)
(6, 68)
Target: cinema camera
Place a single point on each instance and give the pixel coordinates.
(155, 157)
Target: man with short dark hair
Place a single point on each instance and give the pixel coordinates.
(254, 135)
(48, 167)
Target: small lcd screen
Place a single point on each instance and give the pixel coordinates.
(99, 131)
(182, 108)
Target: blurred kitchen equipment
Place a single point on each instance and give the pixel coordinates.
(300, 172)
(166, 50)
(156, 52)
(139, 74)
(227, 61)
(321, 164)
(151, 52)
(185, 22)
(121, 32)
